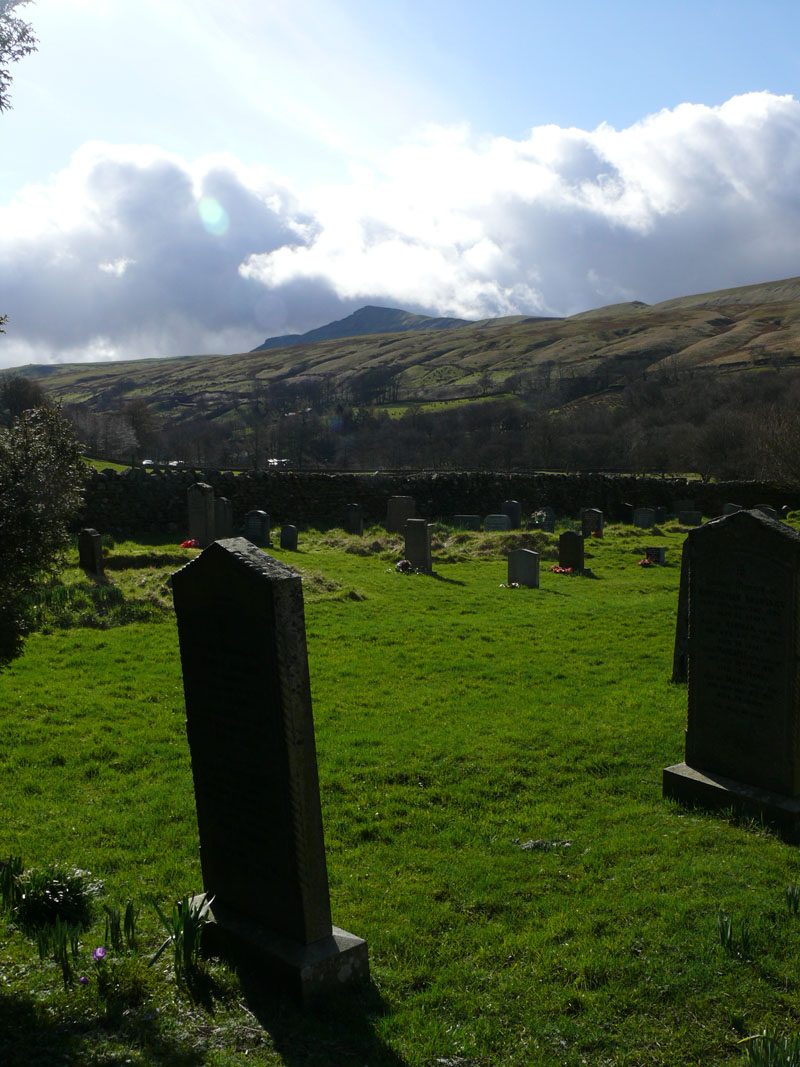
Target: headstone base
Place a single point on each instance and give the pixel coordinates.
(306, 973)
(690, 786)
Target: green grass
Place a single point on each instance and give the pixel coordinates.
(490, 764)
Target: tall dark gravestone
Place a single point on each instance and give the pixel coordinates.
(249, 722)
(743, 731)
(223, 518)
(354, 522)
(398, 510)
(418, 545)
(513, 509)
(90, 553)
(202, 519)
(570, 550)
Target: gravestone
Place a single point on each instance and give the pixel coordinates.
(690, 518)
(743, 732)
(545, 519)
(257, 528)
(251, 736)
(644, 518)
(765, 509)
(570, 550)
(626, 513)
(591, 522)
(289, 538)
(523, 568)
(496, 523)
(90, 553)
(223, 518)
(658, 554)
(200, 501)
(354, 522)
(467, 522)
(680, 656)
(513, 509)
(398, 511)
(660, 516)
(418, 544)
(731, 509)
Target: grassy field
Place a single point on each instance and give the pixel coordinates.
(490, 764)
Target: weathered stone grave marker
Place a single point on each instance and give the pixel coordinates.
(513, 509)
(251, 734)
(354, 522)
(398, 511)
(626, 513)
(223, 518)
(257, 528)
(657, 554)
(200, 500)
(591, 522)
(731, 509)
(418, 544)
(690, 518)
(90, 553)
(644, 518)
(743, 732)
(467, 522)
(570, 550)
(767, 510)
(496, 523)
(289, 538)
(660, 516)
(523, 568)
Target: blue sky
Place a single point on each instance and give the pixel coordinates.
(194, 176)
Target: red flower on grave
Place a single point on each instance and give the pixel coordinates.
(191, 543)
(646, 562)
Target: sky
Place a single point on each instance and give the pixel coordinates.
(192, 176)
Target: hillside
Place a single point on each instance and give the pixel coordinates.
(548, 365)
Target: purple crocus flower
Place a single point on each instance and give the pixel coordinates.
(83, 980)
(99, 954)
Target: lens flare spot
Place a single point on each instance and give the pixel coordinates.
(213, 216)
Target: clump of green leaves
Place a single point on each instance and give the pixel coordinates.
(54, 892)
(767, 1050)
(121, 930)
(739, 947)
(184, 929)
(793, 899)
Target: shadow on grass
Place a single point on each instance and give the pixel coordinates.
(340, 1032)
(441, 578)
(121, 562)
(30, 1036)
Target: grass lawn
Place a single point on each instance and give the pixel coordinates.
(490, 763)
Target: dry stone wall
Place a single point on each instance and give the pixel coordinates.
(141, 501)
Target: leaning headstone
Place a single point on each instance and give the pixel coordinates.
(743, 732)
(467, 522)
(90, 553)
(398, 511)
(689, 518)
(257, 528)
(765, 509)
(354, 523)
(289, 538)
(626, 513)
(223, 518)
(523, 568)
(570, 550)
(418, 544)
(731, 509)
(251, 736)
(644, 518)
(496, 523)
(200, 501)
(591, 522)
(657, 554)
(680, 656)
(513, 509)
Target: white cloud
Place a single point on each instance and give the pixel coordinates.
(133, 252)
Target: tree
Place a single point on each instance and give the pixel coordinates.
(42, 474)
(16, 41)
